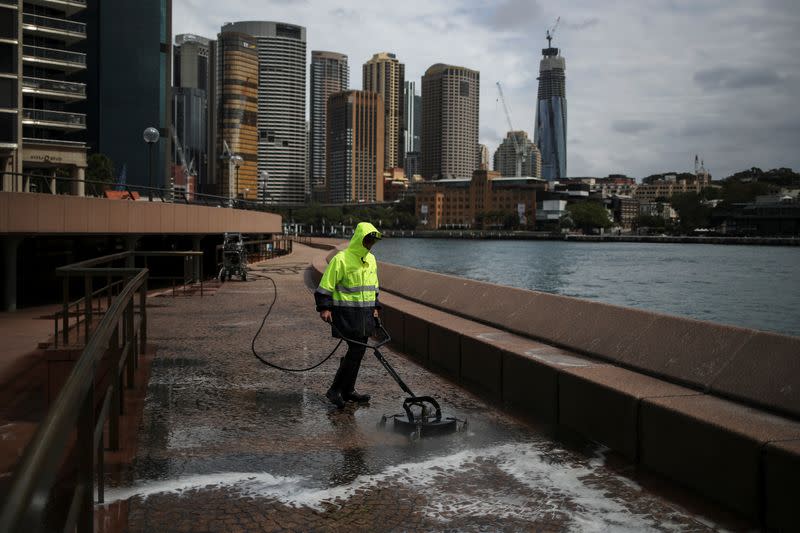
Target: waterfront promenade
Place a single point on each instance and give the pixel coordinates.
(227, 444)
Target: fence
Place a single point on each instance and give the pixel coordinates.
(119, 339)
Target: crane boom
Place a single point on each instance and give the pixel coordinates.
(552, 31)
(520, 155)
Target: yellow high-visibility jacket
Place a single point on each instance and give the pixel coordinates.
(349, 286)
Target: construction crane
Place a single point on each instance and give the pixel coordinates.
(188, 170)
(519, 151)
(551, 32)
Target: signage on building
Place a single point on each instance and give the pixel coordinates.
(521, 213)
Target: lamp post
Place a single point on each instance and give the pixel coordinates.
(237, 162)
(150, 136)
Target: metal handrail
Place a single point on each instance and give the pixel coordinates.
(44, 84)
(73, 409)
(91, 268)
(54, 23)
(121, 335)
(55, 54)
(60, 117)
(23, 182)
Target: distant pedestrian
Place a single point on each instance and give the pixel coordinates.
(347, 298)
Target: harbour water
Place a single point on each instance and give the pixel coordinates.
(750, 286)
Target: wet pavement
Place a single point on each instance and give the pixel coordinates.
(228, 444)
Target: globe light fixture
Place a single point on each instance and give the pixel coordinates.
(151, 137)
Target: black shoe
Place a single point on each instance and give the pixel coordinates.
(353, 396)
(335, 397)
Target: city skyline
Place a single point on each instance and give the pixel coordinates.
(658, 83)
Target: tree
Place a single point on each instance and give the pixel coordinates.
(692, 213)
(99, 167)
(589, 215)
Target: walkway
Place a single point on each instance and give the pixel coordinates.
(228, 444)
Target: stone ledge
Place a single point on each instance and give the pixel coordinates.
(746, 365)
(713, 446)
(603, 402)
(781, 488)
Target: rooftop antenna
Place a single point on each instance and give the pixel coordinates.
(551, 32)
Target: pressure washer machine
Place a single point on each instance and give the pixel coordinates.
(234, 258)
(422, 415)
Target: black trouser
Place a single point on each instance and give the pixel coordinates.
(345, 379)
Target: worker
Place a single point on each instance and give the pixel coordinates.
(347, 298)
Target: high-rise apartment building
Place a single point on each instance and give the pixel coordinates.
(412, 117)
(385, 75)
(282, 137)
(194, 75)
(129, 65)
(355, 147)
(330, 74)
(450, 100)
(42, 90)
(551, 115)
(505, 157)
(237, 114)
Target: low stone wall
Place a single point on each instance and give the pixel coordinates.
(711, 407)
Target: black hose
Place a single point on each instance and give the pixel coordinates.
(264, 321)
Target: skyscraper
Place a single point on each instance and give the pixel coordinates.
(42, 90)
(551, 114)
(237, 115)
(129, 65)
(412, 117)
(385, 75)
(282, 137)
(505, 157)
(355, 147)
(194, 75)
(450, 100)
(330, 74)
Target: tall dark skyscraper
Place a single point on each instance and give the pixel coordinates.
(193, 77)
(129, 62)
(551, 115)
(329, 74)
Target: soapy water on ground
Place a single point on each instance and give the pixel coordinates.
(539, 486)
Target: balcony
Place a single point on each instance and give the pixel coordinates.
(61, 29)
(64, 91)
(58, 120)
(54, 58)
(70, 7)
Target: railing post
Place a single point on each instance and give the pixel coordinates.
(87, 305)
(108, 291)
(130, 343)
(85, 453)
(65, 312)
(143, 315)
(116, 394)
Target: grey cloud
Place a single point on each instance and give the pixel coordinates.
(631, 126)
(511, 15)
(583, 25)
(736, 78)
(350, 14)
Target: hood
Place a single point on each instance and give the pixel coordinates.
(362, 230)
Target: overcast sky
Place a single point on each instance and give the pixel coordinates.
(650, 83)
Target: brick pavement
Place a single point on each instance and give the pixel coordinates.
(227, 444)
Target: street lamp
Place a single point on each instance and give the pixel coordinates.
(150, 136)
(237, 161)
